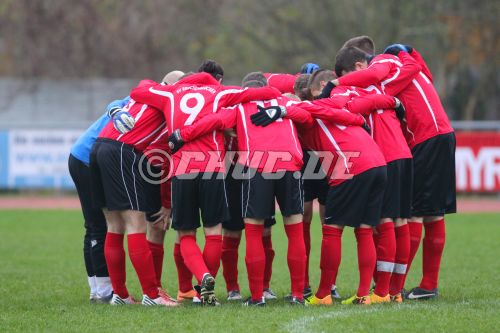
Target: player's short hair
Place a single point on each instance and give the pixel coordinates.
(254, 80)
(172, 77)
(364, 43)
(318, 76)
(213, 68)
(300, 87)
(347, 57)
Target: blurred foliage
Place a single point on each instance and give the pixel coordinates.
(113, 38)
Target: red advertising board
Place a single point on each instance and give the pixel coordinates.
(478, 161)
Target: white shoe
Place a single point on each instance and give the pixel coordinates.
(269, 294)
(234, 295)
(161, 300)
(117, 300)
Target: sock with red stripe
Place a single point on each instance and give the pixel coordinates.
(229, 259)
(376, 238)
(142, 260)
(415, 238)
(401, 262)
(296, 257)
(386, 255)
(433, 245)
(269, 252)
(307, 242)
(367, 258)
(255, 259)
(115, 260)
(212, 253)
(331, 254)
(184, 275)
(193, 257)
(157, 252)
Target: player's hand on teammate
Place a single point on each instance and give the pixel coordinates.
(175, 141)
(400, 109)
(122, 120)
(394, 49)
(162, 219)
(268, 115)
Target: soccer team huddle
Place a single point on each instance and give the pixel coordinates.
(369, 140)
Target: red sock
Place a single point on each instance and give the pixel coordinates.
(157, 253)
(367, 258)
(415, 238)
(184, 275)
(115, 260)
(401, 262)
(255, 259)
(307, 242)
(386, 255)
(269, 251)
(212, 253)
(376, 238)
(142, 260)
(435, 235)
(331, 254)
(296, 257)
(193, 257)
(230, 262)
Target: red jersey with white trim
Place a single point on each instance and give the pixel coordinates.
(185, 101)
(425, 115)
(346, 151)
(268, 149)
(282, 82)
(149, 121)
(382, 119)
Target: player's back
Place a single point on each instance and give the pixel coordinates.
(425, 114)
(271, 148)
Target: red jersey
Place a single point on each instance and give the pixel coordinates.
(384, 124)
(346, 151)
(282, 82)
(185, 101)
(268, 149)
(425, 115)
(149, 121)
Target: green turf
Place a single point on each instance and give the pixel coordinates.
(43, 286)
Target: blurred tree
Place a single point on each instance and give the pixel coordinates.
(135, 39)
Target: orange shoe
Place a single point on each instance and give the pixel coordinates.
(186, 296)
(398, 298)
(313, 300)
(376, 299)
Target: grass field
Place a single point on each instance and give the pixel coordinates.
(43, 286)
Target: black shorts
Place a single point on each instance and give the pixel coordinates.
(314, 187)
(398, 190)
(259, 191)
(197, 193)
(120, 179)
(94, 218)
(358, 200)
(434, 189)
(235, 221)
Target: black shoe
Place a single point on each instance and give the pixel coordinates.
(297, 301)
(418, 293)
(307, 292)
(207, 291)
(250, 302)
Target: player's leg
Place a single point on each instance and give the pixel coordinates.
(257, 194)
(437, 199)
(308, 214)
(156, 237)
(269, 252)
(184, 275)
(289, 195)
